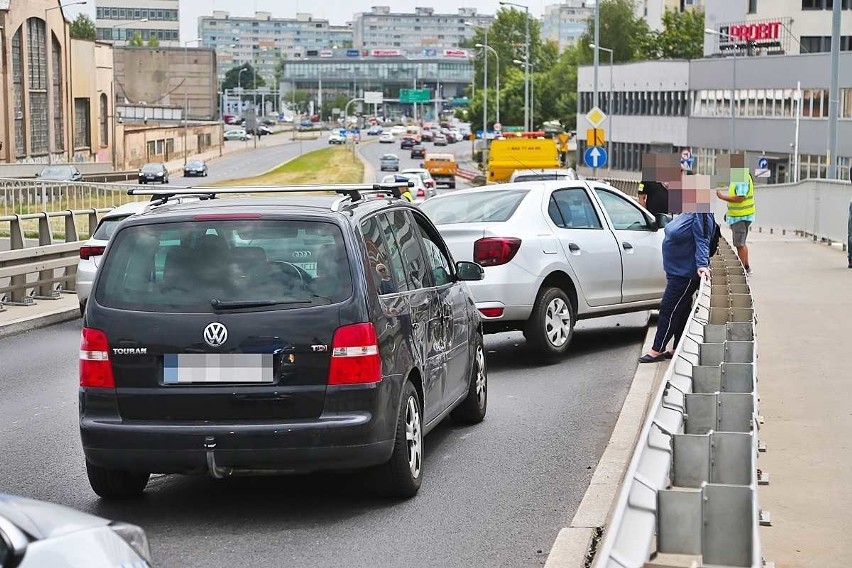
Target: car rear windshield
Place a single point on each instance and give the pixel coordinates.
(479, 207)
(108, 226)
(152, 168)
(195, 164)
(202, 266)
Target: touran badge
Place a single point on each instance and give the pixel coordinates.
(215, 334)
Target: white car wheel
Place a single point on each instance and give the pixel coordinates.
(551, 325)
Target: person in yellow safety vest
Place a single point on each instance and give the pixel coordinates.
(406, 192)
(740, 199)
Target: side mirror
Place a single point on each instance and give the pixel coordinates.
(662, 220)
(13, 544)
(469, 271)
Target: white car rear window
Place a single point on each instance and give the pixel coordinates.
(479, 207)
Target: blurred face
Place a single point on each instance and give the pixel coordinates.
(730, 168)
(691, 194)
(664, 168)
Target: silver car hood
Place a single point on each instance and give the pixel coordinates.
(42, 520)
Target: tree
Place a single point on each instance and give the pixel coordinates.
(136, 40)
(629, 37)
(682, 36)
(249, 80)
(83, 28)
(153, 42)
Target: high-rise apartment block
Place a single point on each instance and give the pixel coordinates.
(414, 33)
(119, 21)
(564, 23)
(263, 41)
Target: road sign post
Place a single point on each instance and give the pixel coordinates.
(595, 137)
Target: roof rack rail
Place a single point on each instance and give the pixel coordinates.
(353, 191)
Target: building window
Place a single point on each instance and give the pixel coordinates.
(58, 115)
(82, 122)
(752, 6)
(38, 84)
(812, 4)
(104, 120)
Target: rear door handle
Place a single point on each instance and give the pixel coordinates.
(627, 246)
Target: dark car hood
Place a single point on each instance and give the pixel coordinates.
(45, 520)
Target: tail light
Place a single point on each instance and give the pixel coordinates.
(494, 251)
(87, 252)
(95, 366)
(491, 312)
(355, 355)
(421, 193)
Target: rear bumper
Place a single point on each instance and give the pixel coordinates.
(340, 441)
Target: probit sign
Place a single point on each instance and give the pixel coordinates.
(769, 36)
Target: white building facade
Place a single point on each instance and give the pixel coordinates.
(564, 23)
(119, 21)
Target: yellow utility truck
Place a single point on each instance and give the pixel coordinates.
(510, 154)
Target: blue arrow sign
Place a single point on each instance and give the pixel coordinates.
(595, 157)
(762, 163)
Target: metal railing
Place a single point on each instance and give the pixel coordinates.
(30, 271)
(689, 497)
(25, 196)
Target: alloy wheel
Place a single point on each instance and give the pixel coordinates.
(413, 437)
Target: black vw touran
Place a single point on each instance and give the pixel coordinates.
(286, 334)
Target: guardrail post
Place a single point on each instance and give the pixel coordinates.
(93, 221)
(44, 290)
(69, 279)
(18, 294)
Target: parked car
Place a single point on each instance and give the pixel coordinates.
(195, 168)
(289, 334)
(154, 172)
(424, 174)
(60, 172)
(261, 130)
(237, 135)
(35, 534)
(386, 138)
(268, 122)
(336, 138)
(543, 174)
(389, 162)
(553, 252)
(418, 151)
(93, 248)
(439, 139)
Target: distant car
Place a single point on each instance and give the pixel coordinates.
(237, 135)
(386, 138)
(268, 122)
(195, 168)
(439, 139)
(424, 175)
(336, 138)
(260, 131)
(154, 173)
(389, 162)
(398, 130)
(61, 172)
(92, 249)
(543, 174)
(418, 151)
(35, 533)
(426, 135)
(419, 191)
(375, 130)
(408, 142)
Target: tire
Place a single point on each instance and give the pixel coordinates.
(402, 474)
(547, 330)
(115, 484)
(473, 407)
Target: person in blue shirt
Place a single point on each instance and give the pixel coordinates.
(686, 259)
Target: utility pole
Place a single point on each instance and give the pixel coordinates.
(597, 51)
(834, 94)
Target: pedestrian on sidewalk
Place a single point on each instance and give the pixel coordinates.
(740, 199)
(658, 172)
(686, 259)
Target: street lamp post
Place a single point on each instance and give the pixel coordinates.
(609, 102)
(526, 61)
(497, 58)
(732, 143)
(532, 95)
(484, 92)
(186, 96)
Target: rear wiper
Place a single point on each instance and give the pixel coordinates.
(219, 305)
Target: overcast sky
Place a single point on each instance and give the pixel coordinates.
(337, 11)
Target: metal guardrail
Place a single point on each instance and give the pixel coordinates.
(45, 270)
(689, 497)
(26, 196)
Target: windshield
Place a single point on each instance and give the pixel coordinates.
(108, 226)
(195, 164)
(151, 168)
(199, 266)
(56, 172)
(489, 207)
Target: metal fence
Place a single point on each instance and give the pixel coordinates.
(689, 497)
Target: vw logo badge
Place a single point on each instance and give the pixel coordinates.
(215, 334)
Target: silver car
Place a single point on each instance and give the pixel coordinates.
(553, 252)
(35, 534)
(92, 249)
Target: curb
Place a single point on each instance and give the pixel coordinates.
(25, 324)
(575, 544)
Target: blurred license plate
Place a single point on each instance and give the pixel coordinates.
(217, 368)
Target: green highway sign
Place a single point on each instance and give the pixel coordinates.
(414, 95)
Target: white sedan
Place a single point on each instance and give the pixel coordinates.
(386, 138)
(553, 252)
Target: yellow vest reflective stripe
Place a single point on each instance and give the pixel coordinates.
(407, 195)
(745, 207)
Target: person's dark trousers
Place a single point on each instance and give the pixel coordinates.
(674, 310)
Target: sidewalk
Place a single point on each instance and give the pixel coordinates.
(18, 319)
(803, 300)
